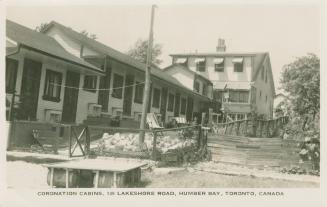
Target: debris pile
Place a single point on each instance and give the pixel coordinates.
(129, 142)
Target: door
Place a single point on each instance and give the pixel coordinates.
(164, 94)
(103, 98)
(128, 95)
(30, 90)
(189, 109)
(177, 102)
(71, 97)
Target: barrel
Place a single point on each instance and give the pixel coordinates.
(59, 178)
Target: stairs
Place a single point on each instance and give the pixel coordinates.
(253, 152)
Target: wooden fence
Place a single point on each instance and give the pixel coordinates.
(252, 127)
(75, 140)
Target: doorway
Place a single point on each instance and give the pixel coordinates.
(70, 97)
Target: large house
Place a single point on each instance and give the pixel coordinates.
(64, 76)
(242, 82)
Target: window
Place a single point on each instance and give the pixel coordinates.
(138, 96)
(200, 65)
(238, 96)
(52, 86)
(11, 74)
(90, 83)
(218, 95)
(266, 98)
(238, 64)
(219, 64)
(260, 94)
(238, 67)
(117, 91)
(183, 106)
(171, 99)
(266, 78)
(156, 98)
(204, 90)
(244, 97)
(197, 86)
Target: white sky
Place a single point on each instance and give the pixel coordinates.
(285, 31)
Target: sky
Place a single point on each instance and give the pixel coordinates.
(286, 31)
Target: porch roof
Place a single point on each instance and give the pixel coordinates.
(42, 43)
(232, 85)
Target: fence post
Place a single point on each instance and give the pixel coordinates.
(69, 140)
(87, 141)
(238, 128)
(154, 147)
(254, 128)
(246, 128)
(200, 137)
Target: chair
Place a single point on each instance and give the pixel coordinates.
(180, 121)
(152, 122)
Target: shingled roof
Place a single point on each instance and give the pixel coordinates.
(39, 42)
(115, 54)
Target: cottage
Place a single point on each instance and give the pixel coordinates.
(50, 83)
(242, 82)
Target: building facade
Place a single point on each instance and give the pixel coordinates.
(242, 82)
(89, 79)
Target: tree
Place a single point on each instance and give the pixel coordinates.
(139, 50)
(41, 27)
(301, 81)
(91, 36)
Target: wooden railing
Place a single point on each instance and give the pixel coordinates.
(251, 127)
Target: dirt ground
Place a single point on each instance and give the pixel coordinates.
(21, 174)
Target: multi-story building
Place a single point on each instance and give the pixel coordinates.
(242, 82)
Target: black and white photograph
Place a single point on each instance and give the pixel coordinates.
(162, 95)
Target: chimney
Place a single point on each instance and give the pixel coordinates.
(221, 45)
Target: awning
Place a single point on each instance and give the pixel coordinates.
(238, 60)
(238, 85)
(218, 60)
(181, 60)
(197, 60)
(219, 85)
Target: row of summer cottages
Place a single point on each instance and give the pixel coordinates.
(60, 75)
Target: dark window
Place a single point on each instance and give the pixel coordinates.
(266, 98)
(238, 67)
(260, 94)
(156, 98)
(204, 90)
(218, 95)
(239, 96)
(183, 106)
(138, 96)
(52, 86)
(90, 83)
(219, 67)
(171, 98)
(11, 75)
(117, 91)
(197, 86)
(266, 78)
(201, 66)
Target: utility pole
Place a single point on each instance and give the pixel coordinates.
(147, 80)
